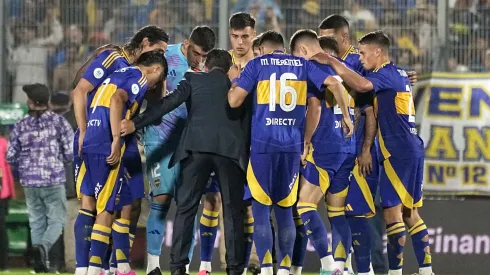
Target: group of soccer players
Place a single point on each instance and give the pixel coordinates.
(304, 147)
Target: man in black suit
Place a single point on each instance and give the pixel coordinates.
(214, 139)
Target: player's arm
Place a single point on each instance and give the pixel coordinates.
(312, 119)
(370, 129)
(164, 106)
(351, 78)
(338, 91)
(116, 107)
(242, 84)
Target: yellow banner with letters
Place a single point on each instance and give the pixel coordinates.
(453, 113)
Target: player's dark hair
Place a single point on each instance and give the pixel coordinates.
(154, 57)
(154, 35)
(241, 20)
(256, 41)
(376, 38)
(335, 22)
(204, 37)
(328, 43)
(271, 37)
(219, 58)
(302, 35)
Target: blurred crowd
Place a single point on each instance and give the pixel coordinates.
(48, 40)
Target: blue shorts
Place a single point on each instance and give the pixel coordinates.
(132, 164)
(273, 178)
(106, 183)
(330, 172)
(400, 182)
(213, 185)
(80, 169)
(362, 190)
(163, 180)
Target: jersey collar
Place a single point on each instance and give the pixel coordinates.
(277, 52)
(382, 65)
(349, 50)
(125, 54)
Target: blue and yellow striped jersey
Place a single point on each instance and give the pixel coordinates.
(395, 111)
(278, 83)
(98, 137)
(329, 135)
(102, 66)
(351, 57)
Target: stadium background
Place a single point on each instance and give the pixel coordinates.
(46, 41)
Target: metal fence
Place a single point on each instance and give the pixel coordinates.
(46, 41)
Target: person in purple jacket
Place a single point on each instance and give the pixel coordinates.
(39, 145)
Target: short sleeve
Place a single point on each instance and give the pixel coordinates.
(364, 100)
(249, 76)
(135, 84)
(101, 67)
(315, 75)
(379, 80)
(312, 91)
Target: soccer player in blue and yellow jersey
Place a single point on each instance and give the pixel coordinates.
(328, 164)
(241, 32)
(277, 82)
(401, 150)
(104, 62)
(118, 97)
(161, 139)
(359, 200)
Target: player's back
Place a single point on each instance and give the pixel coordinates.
(329, 135)
(279, 102)
(98, 137)
(395, 112)
(103, 65)
(171, 124)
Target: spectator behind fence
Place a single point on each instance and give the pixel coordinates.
(39, 145)
(7, 192)
(28, 60)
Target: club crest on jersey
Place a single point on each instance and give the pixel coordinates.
(98, 73)
(135, 89)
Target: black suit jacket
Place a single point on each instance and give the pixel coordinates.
(212, 126)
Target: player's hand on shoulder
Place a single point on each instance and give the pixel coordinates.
(115, 155)
(234, 71)
(412, 76)
(348, 126)
(322, 57)
(127, 127)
